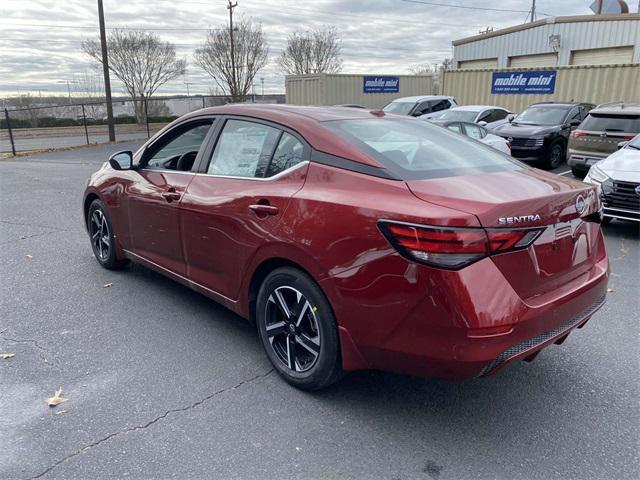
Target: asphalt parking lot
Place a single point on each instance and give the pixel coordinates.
(162, 382)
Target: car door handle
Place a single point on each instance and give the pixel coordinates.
(171, 195)
(264, 209)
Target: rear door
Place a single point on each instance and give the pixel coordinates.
(243, 187)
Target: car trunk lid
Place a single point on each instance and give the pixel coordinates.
(527, 198)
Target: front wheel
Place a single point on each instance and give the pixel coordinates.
(298, 329)
(102, 237)
(556, 155)
(578, 172)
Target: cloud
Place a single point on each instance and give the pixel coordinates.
(40, 40)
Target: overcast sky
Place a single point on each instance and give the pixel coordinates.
(40, 39)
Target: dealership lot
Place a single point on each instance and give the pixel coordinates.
(162, 382)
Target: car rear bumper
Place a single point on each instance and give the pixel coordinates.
(583, 161)
(433, 337)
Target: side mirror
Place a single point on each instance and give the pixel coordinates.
(482, 123)
(121, 160)
(510, 117)
(622, 145)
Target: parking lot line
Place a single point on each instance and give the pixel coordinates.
(565, 173)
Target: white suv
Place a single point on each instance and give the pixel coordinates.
(618, 181)
(425, 106)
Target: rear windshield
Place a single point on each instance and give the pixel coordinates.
(415, 149)
(611, 123)
(401, 108)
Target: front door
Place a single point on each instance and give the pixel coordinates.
(165, 172)
(231, 207)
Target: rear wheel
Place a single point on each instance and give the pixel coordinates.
(556, 155)
(102, 237)
(298, 330)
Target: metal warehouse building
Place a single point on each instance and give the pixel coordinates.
(577, 40)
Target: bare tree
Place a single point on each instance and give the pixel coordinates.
(421, 69)
(141, 61)
(91, 86)
(250, 51)
(312, 51)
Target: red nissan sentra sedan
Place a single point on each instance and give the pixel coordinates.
(357, 240)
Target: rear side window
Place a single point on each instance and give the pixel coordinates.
(474, 131)
(290, 152)
(611, 123)
(243, 149)
(415, 149)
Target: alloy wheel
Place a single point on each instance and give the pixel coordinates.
(292, 329)
(556, 156)
(100, 235)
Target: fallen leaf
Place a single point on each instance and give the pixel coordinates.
(5, 356)
(56, 399)
(107, 285)
(29, 256)
(23, 237)
(610, 290)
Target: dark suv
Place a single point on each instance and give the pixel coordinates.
(601, 133)
(540, 133)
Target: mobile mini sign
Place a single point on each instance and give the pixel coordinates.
(538, 81)
(381, 84)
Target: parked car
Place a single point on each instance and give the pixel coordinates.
(425, 106)
(540, 133)
(599, 134)
(476, 132)
(485, 115)
(356, 240)
(618, 181)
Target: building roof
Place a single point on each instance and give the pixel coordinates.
(546, 21)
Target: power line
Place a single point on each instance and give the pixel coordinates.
(486, 9)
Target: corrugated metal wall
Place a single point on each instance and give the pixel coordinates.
(573, 36)
(594, 84)
(325, 89)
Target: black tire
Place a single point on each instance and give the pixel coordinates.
(556, 156)
(102, 237)
(305, 326)
(578, 172)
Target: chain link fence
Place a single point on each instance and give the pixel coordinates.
(47, 127)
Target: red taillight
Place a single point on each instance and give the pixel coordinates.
(629, 137)
(453, 248)
(578, 133)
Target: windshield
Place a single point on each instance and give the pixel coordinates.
(402, 108)
(542, 115)
(611, 123)
(634, 142)
(458, 115)
(414, 149)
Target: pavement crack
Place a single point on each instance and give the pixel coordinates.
(19, 224)
(25, 237)
(151, 422)
(30, 341)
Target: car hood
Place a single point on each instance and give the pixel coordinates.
(511, 130)
(622, 165)
(535, 197)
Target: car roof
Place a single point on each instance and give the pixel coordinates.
(619, 108)
(307, 121)
(476, 108)
(420, 98)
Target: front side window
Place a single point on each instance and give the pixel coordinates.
(499, 114)
(455, 127)
(243, 149)
(440, 105)
(177, 150)
(413, 149)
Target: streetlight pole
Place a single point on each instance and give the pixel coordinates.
(230, 7)
(105, 71)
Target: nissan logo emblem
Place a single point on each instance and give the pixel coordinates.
(580, 204)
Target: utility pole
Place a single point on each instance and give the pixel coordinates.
(105, 71)
(230, 7)
(533, 10)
